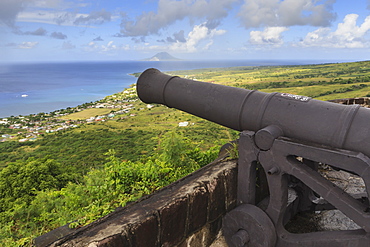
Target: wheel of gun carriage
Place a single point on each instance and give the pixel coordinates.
(248, 226)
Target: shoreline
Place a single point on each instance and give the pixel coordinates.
(220, 70)
(136, 67)
(30, 127)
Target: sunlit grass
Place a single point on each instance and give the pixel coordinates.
(85, 114)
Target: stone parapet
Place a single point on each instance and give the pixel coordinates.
(186, 213)
(363, 101)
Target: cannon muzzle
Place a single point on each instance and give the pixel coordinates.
(298, 117)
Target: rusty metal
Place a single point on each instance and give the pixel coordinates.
(284, 137)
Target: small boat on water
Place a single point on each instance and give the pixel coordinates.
(24, 95)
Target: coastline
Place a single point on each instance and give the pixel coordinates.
(269, 78)
(32, 126)
(61, 85)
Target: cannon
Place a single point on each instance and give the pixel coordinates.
(283, 140)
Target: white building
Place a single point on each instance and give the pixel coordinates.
(183, 124)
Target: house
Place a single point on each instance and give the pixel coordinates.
(91, 119)
(183, 124)
(16, 126)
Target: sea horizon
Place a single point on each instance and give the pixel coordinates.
(31, 88)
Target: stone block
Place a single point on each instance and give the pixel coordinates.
(173, 219)
(145, 233)
(216, 189)
(231, 183)
(116, 240)
(52, 236)
(198, 209)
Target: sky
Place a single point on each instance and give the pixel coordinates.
(121, 30)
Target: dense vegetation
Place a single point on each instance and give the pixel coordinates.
(80, 174)
(81, 150)
(40, 194)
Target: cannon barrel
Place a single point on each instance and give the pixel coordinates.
(299, 117)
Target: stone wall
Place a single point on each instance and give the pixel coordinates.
(186, 213)
(363, 101)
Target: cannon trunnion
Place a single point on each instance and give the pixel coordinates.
(283, 139)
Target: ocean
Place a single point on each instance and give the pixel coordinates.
(30, 88)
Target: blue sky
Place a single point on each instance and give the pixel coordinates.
(75, 30)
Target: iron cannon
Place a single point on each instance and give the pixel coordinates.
(284, 138)
(297, 117)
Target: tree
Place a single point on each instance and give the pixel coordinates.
(20, 180)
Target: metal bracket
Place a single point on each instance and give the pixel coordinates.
(285, 163)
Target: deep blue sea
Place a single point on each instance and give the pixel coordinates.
(27, 88)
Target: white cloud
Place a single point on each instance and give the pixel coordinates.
(347, 35)
(91, 46)
(259, 13)
(208, 45)
(316, 38)
(23, 45)
(110, 46)
(170, 11)
(269, 36)
(27, 45)
(65, 18)
(195, 37)
(95, 17)
(31, 10)
(47, 17)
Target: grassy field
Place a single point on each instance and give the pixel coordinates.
(85, 114)
(262, 74)
(161, 119)
(323, 81)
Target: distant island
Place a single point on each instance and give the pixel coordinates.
(162, 56)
